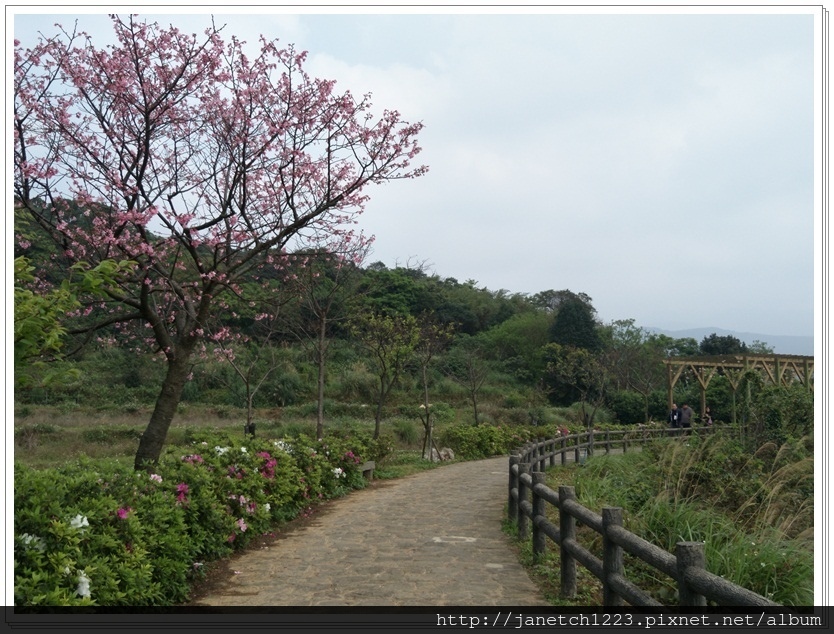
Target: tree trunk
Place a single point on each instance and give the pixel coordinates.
(321, 361)
(384, 386)
(249, 398)
(377, 418)
(150, 445)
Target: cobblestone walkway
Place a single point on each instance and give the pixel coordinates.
(429, 539)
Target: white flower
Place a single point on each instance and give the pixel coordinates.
(79, 522)
(267, 506)
(66, 570)
(338, 472)
(221, 450)
(285, 447)
(243, 450)
(155, 477)
(34, 541)
(83, 589)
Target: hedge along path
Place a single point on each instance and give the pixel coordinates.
(432, 538)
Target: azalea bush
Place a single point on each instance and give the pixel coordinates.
(100, 533)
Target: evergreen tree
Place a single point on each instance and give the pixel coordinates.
(575, 325)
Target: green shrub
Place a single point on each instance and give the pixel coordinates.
(628, 407)
(99, 533)
(483, 441)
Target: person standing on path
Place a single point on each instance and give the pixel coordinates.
(674, 416)
(686, 416)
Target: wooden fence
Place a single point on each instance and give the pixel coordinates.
(696, 586)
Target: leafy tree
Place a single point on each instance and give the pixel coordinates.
(622, 340)
(40, 317)
(581, 371)
(390, 341)
(399, 290)
(776, 413)
(550, 301)
(683, 347)
(193, 159)
(635, 359)
(576, 326)
(715, 344)
(517, 343)
(759, 347)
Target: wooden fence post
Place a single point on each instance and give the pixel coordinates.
(512, 506)
(539, 510)
(612, 555)
(607, 442)
(567, 532)
(542, 452)
(690, 555)
(523, 469)
(564, 452)
(553, 452)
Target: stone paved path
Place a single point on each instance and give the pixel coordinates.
(433, 538)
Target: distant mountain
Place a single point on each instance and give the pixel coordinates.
(781, 344)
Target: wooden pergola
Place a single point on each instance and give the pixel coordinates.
(780, 369)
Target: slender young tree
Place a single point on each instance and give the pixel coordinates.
(252, 361)
(390, 341)
(467, 366)
(325, 284)
(433, 339)
(194, 160)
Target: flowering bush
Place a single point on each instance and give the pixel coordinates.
(99, 533)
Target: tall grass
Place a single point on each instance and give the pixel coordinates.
(753, 512)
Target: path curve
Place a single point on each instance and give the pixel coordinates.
(432, 538)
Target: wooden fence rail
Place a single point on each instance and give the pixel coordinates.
(696, 586)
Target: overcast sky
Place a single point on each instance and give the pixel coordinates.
(662, 164)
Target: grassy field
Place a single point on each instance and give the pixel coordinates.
(47, 436)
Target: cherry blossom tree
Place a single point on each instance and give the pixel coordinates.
(197, 162)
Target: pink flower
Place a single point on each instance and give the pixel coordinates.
(122, 512)
(242, 525)
(182, 489)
